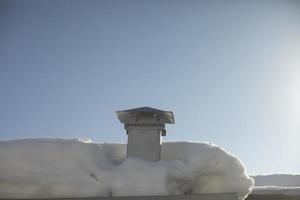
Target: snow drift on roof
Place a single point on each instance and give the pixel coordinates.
(72, 168)
(280, 180)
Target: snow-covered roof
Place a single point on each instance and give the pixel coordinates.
(58, 168)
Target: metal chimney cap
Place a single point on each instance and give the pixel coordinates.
(146, 115)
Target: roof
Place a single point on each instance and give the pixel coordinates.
(146, 115)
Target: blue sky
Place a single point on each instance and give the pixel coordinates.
(229, 70)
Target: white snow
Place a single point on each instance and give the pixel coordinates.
(281, 180)
(45, 168)
(289, 191)
(287, 184)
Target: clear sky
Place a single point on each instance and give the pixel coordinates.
(229, 70)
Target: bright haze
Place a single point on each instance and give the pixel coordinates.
(229, 70)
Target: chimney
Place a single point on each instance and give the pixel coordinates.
(145, 126)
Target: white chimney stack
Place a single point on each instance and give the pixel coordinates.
(144, 127)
